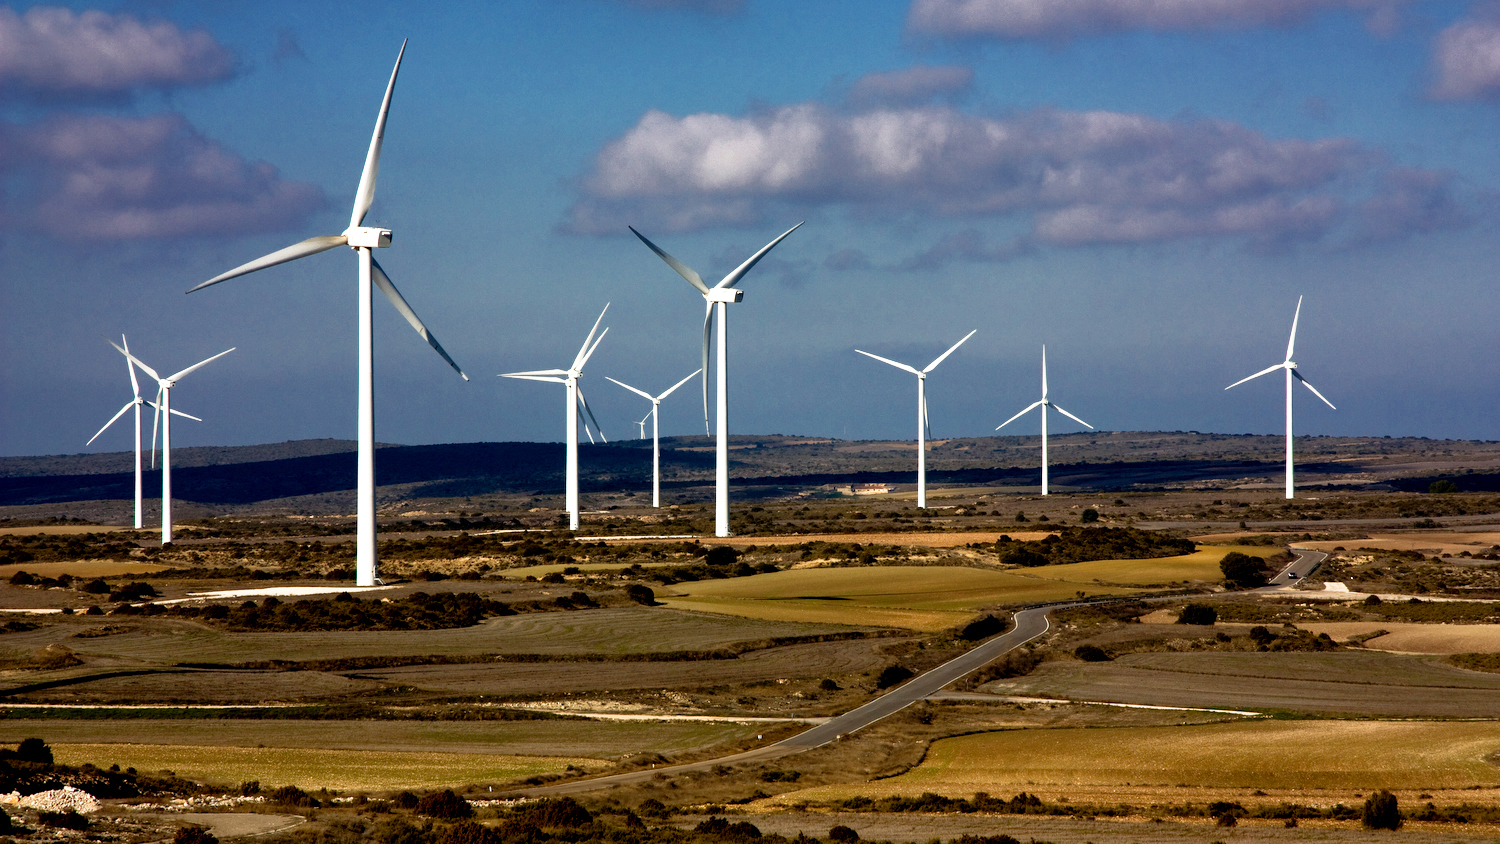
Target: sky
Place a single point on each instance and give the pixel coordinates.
(1146, 187)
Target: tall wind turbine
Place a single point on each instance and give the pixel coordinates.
(164, 411)
(922, 427)
(570, 378)
(1044, 404)
(655, 418)
(363, 240)
(136, 403)
(720, 294)
(1291, 373)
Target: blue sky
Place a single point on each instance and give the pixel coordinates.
(1145, 187)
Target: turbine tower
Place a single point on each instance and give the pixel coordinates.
(136, 403)
(569, 377)
(363, 240)
(655, 418)
(720, 294)
(1044, 404)
(164, 411)
(1291, 373)
(923, 430)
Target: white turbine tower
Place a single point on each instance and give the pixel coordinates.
(136, 403)
(164, 411)
(654, 416)
(1044, 404)
(363, 240)
(923, 429)
(1291, 373)
(720, 294)
(570, 378)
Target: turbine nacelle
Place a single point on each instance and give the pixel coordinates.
(727, 295)
(366, 236)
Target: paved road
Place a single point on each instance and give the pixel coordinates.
(1029, 624)
(1306, 563)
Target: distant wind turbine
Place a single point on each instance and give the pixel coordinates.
(655, 418)
(1291, 373)
(363, 240)
(720, 294)
(923, 429)
(570, 378)
(136, 403)
(164, 411)
(1044, 404)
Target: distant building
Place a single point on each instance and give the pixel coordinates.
(866, 489)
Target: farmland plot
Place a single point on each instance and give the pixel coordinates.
(1202, 564)
(1377, 684)
(1417, 638)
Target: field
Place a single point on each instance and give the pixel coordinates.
(1417, 638)
(1262, 754)
(1352, 683)
(1201, 565)
(918, 597)
(341, 770)
(82, 568)
(1431, 541)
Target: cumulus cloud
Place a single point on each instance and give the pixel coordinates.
(1466, 61)
(1058, 19)
(1077, 178)
(101, 178)
(911, 86)
(50, 52)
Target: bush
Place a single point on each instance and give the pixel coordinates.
(1023, 557)
(97, 586)
(5, 826)
(1201, 614)
(1089, 516)
(1091, 653)
(34, 750)
(444, 805)
(742, 831)
(194, 835)
(721, 555)
(982, 628)
(1242, 571)
(640, 594)
(829, 685)
(291, 795)
(842, 834)
(1440, 487)
(1381, 811)
(469, 832)
(559, 813)
(893, 675)
(63, 820)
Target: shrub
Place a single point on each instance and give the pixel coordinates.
(1023, 557)
(1089, 516)
(982, 628)
(842, 834)
(291, 795)
(194, 835)
(653, 808)
(1242, 571)
(34, 750)
(893, 675)
(406, 800)
(63, 820)
(468, 832)
(445, 805)
(1381, 811)
(742, 831)
(829, 685)
(1201, 614)
(97, 586)
(5, 826)
(1440, 487)
(640, 594)
(1091, 653)
(721, 555)
(554, 814)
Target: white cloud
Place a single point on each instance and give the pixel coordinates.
(1466, 61)
(117, 178)
(1054, 19)
(1075, 177)
(911, 86)
(50, 52)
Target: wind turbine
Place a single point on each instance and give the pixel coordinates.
(136, 403)
(164, 411)
(1291, 373)
(570, 378)
(720, 294)
(642, 423)
(363, 240)
(922, 426)
(655, 418)
(1044, 404)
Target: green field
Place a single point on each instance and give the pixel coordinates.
(1202, 564)
(342, 770)
(1257, 754)
(917, 597)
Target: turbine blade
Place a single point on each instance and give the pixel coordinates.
(1044, 373)
(675, 386)
(739, 272)
(1019, 415)
(311, 246)
(135, 387)
(1298, 376)
(1268, 370)
(155, 423)
(525, 377)
(133, 359)
(1293, 341)
(586, 357)
(584, 350)
(708, 316)
(944, 356)
(585, 403)
(911, 369)
(1070, 416)
(364, 197)
(176, 412)
(926, 423)
(128, 405)
(682, 269)
(174, 378)
(383, 281)
(642, 393)
(557, 372)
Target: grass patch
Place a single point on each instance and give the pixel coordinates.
(307, 768)
(82, 568)
(1201, 565)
